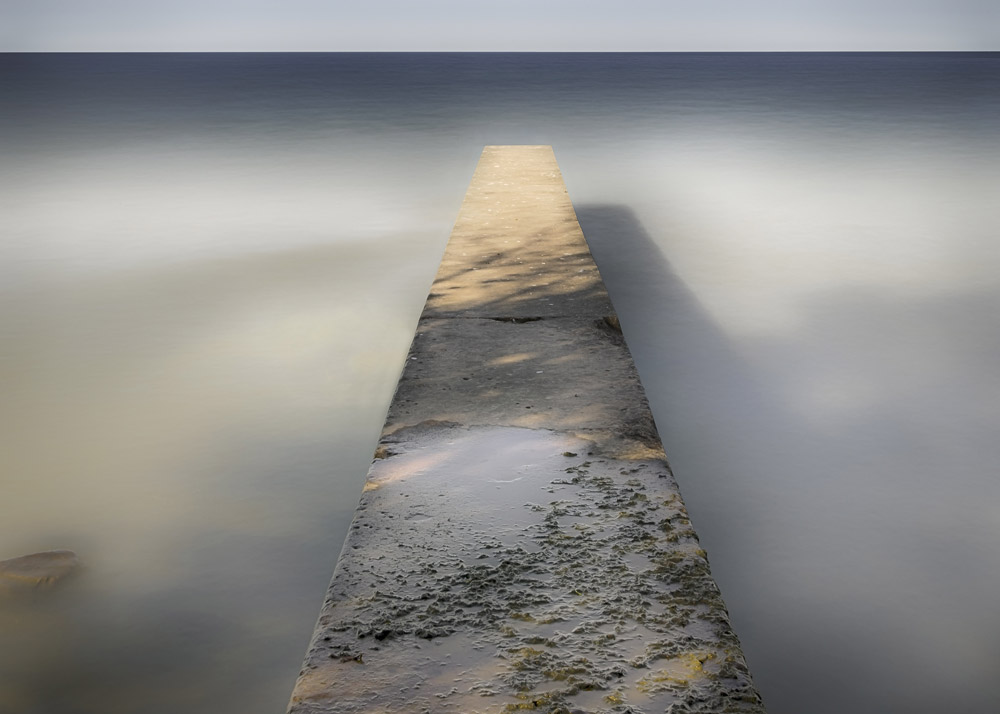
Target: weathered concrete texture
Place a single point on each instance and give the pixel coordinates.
(521, 543)
(562, 373)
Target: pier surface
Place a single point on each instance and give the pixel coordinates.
(521, 543)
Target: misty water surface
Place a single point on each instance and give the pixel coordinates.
(210, 271)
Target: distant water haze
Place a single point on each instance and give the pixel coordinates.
(210, 271)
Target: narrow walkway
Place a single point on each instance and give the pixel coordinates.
(521, 543)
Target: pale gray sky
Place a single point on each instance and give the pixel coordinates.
(542, 25)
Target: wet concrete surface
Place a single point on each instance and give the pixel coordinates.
(521, 543)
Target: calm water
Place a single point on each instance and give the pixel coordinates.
(210, 270)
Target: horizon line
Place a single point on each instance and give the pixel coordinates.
(487, 52)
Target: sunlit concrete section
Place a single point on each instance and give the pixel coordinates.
(516, 249)
(521, 543)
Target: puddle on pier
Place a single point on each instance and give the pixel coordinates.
(508, 569)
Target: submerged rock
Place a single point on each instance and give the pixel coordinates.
(37, 570)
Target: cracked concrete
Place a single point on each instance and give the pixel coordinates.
(521, 543)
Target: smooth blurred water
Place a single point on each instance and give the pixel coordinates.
(210, 271)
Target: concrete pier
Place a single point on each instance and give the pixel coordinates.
(521, 543)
